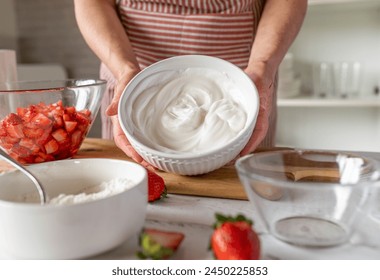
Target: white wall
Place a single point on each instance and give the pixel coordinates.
(45, 32)
(8, 25)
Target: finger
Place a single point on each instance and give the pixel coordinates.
(122, 82)
(112, 109)
(123, 143)
(258, 134)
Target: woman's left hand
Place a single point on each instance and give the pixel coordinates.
(263, 79)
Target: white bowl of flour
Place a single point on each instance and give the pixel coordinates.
(94, 206)
(189, 114)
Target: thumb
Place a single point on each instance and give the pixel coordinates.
(112, 108)
(118, 91)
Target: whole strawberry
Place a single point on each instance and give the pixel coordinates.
(156, 186)
(234, 239)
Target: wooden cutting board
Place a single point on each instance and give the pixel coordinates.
(222, 183)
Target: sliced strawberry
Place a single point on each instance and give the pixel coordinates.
(83, 128)
(86, 112)
(39, 160)
(58, 121)
(26, 160)
(22, 111)
(76, 137)
(156, 186)
(13, 155)
(15, 131)
(83, 119)
(70, 110)
(3, 131)
(7, 146)
(158, 244)
(70, 126)
(46, 132)
(20, 151)
(13, 126)
(42, 121)
(12, 119)
(45, 157)
(29, 144)
(33, 132)
(44, 137)
(60, 135)
(51, 147)
(57, 104)
(67, 117)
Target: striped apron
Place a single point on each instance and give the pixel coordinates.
(159, 29)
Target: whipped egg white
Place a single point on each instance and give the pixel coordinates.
(189, 111)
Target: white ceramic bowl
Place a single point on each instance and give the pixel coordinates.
(187, 163)
(308, 198)
(34, 231)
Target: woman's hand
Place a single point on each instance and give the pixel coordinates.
(263, 77)
(112, 111)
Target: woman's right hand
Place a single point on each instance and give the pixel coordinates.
(120, 138)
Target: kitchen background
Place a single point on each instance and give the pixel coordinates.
(49, 45)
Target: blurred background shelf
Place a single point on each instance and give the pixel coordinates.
(315, 102)
(334, 31)
(329, 2)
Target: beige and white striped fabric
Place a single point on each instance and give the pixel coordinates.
(159, 29)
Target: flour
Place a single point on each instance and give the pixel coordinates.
(96, 192)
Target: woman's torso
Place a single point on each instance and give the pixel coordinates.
(159, 29)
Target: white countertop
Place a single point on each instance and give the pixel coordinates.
(194, 216)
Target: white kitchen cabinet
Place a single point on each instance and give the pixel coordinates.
(334, 31)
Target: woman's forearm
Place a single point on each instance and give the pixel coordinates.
(102, 30)
(278, 27)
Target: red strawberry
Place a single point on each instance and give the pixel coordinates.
(33, 132)
(51, 147)
(60, 135)
(158, 244)
(43, 132)
(15, 131)
(70, 110)
(76, 138)
(3, 131)
(58, 121)
(70, 126)
(13, 126)
(29, 144)
(82, 118)
(156, 186)
(66, 117)
(234, 239)
(20, 151)
(42, 121)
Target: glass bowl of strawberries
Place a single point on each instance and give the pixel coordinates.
(43, 121)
